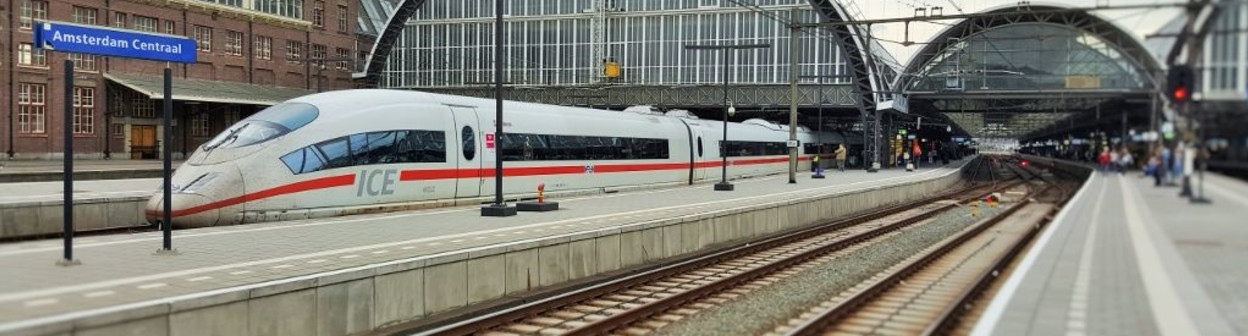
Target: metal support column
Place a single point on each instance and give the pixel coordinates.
(793, 65)
(499, 208)
(723, 184)
(67, 207)
(166, 148)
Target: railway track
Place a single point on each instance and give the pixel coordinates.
(644, 302)
(930, 293)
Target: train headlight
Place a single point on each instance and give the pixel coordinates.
(198, 183)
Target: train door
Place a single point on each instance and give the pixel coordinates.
(470, 156)
(698, 150)
(712, 138)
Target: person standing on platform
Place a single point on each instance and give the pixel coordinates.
(814, 163)
(1126, 161)
(1115, 156)
(1157, 167)
(1105, 159)
(841, 153)
(1176, 165)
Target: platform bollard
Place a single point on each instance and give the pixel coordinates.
(541, 205)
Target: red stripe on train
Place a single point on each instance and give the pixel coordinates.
(297, 187)
(442, 174)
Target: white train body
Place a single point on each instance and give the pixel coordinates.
(361, 151)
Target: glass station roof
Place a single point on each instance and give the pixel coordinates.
(1029, 56)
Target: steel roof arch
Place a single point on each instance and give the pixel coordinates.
(1113, 35)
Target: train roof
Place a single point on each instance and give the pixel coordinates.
(383, 97)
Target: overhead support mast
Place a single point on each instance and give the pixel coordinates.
(794, 48)
(598, 41)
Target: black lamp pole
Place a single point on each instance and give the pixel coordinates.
(499, 208)
(723, 184)
(68, 185)
(166, 148)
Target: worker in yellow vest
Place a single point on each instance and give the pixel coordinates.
(918, 154)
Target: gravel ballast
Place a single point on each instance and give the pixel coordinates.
(762, 310)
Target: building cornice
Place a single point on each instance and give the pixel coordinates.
(219, 10)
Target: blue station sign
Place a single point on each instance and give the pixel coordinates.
(105, 41)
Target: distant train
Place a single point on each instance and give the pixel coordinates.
(360, 151)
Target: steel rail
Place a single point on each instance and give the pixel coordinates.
(821, 322)
(519, 312)
(952, 314)
(644, 311)
(637, 314)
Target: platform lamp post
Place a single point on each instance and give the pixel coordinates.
(166, 148)
(67, 257)
(723, 184)
(499, 208)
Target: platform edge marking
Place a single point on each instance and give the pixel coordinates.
(988, 321)
(1083, 278)
(1161, 287)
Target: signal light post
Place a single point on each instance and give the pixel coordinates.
(723, 184)
(1180, 82)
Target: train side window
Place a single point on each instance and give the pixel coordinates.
(699, 146)
(380, 149)
(470, 144)
(422, 146)
(543, 147)
(647, 149)
(753, 148)
(303, 160)
(369, 148)
(359, 152)
(337, 153)
(294, 161)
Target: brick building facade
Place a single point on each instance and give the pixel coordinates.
(245, 47)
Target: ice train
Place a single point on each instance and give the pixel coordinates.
(358, 151)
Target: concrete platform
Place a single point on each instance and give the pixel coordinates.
(1128, 258)
(34, 208)
(51, 170)
(348, 275)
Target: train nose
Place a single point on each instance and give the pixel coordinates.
(200, 196)
(189, 210)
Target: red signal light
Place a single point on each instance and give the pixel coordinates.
(1025, 163)
(1180, 93)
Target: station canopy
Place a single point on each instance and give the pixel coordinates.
(1014, 75)
(208, 91)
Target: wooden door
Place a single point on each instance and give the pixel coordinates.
(142, 142)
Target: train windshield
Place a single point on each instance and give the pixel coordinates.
(265, 125)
